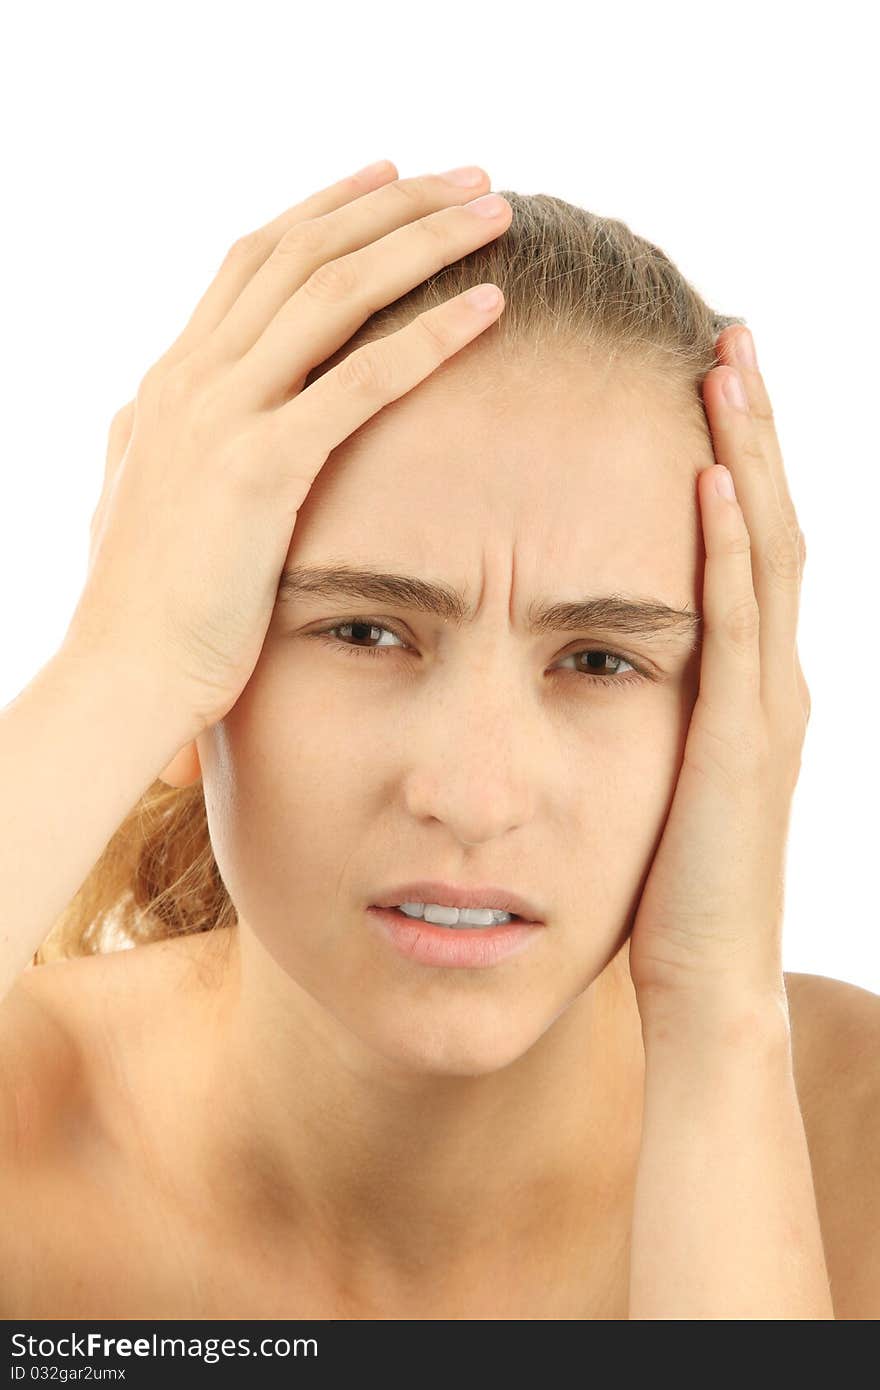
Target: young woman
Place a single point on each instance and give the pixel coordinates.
(435, 750)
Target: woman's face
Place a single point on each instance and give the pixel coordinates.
(482, 753)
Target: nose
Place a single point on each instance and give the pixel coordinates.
(488, 824)
(476, 764)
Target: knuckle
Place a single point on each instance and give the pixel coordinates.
(122, 420)
(240, 450)
(438, 230)
(367, 371)
(148, 388)
(726, 755)
(752, 451)
(752, 751)
(735, 547)
(168, 382)
(782, 555)
(176, 385)
(762, 410)
(437, 331)
(304, 239)
(411, 192)
(253, 246)
(742, 623)
(332, 281)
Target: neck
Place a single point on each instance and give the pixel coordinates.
(311, 1136)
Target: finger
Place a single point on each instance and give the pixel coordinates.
(730, 666)
(342, 294)
(245, 257)
(735, 347)
(310, 243)
(371, 376)
(744, 445)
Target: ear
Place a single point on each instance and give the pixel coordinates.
(184, 769)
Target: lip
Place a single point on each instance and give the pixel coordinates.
(426, 890)
(424, 943)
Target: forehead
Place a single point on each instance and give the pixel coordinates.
(581, 474)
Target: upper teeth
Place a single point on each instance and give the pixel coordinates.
(453, 916)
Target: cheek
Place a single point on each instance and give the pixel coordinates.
(286, 779)
(622, 795)
(294, 775)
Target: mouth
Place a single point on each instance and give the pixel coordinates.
(457, 907)
(457, 919)
(453, 944)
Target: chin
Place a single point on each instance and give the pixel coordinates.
(472, 1039)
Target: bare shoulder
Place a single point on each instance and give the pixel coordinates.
(835, 1029)
(62, 1022)
(37, 1072)
(87, 1046)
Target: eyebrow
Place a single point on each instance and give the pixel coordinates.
(630, 617)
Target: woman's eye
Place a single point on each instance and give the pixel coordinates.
(360, 629)
(595, 664)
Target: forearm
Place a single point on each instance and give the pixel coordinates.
(725, 1224)
(78, 746)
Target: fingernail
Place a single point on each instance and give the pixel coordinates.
(490, 205)
(466, 177)
(734, 392)
(744, 347)
(724, 483)
(484, 297)
(373, 170)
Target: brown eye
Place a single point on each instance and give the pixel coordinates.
(361, 630)
(602, 667)
(596, 662)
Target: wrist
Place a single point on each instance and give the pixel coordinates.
(729, 1021)
(125, 689)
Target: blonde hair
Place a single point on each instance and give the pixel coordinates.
(574, 282)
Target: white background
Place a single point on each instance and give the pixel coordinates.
(140, 141)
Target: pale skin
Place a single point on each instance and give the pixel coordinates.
(403, 1136)
(396, 1149)
(403, 1140)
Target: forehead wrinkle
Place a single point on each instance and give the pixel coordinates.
(615, 612)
